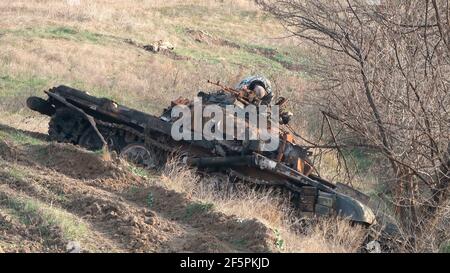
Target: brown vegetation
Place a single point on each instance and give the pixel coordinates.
(383, 72)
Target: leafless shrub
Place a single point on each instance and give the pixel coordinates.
(382, 71)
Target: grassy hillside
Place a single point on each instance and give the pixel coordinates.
(50, 195)
(83, 44)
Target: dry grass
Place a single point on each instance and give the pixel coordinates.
(34, 123)
(329, 236)
(45, 43)
(244, 203)
(318, 235)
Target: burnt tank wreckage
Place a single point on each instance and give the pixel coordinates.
(91, 122)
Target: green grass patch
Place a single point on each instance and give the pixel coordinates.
(34, 213)
(283, 58)
(15, 89)
(196, 208)
(17, 174)
(259, 48)
(98, 152)
(20, 138)
(11, 86)
(445, 248)
(362, 159)
(201, 55)
(265, 59)
(256, 61)
(233, 57)
(279, 242)
(138, 171)
(61, 32)
(258, 57)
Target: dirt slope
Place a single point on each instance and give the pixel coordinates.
(54, 196)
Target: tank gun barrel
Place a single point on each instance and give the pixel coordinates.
(241, 95)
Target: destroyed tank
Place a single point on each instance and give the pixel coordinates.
(144, 139)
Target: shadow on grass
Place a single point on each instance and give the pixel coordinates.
(18, 132)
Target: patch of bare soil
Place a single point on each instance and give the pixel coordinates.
(230, 233)
(117, 210)
(75, 162)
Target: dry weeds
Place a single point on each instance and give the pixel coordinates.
(320, 235)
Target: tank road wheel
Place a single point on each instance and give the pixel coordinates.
(140, 155)
(66, 125)
(90, 140)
